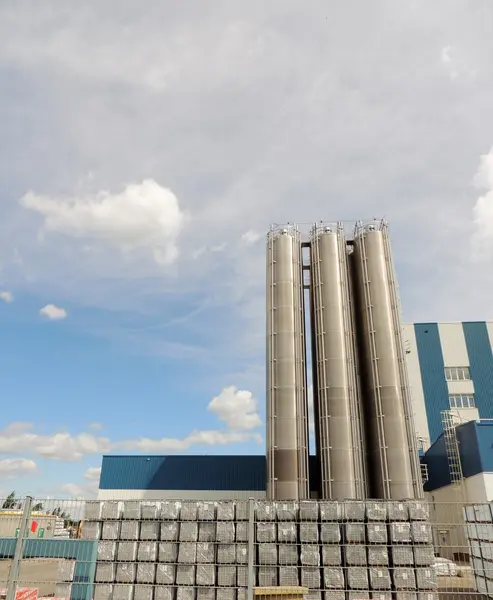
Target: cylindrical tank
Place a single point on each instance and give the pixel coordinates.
(287, 424)
(388, 444)
(338, 423)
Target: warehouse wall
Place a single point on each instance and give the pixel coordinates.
(180, 494)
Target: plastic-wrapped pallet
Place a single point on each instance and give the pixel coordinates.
(241, 554)
(185, 574)
(267, 554)
(288, 554)
(206, 575)
(111, 530)
(185, 593)
(187, 553)
(92, 510)
(103, 591)
(398, 511)
(146, 573)
(308, 510)
(378, 556)
(106, 551)
(169, 531)
(168, 552)
(242, 510)
(165, 574)
(337, 595)
(354, 510)
(406, 596)
(226, 554)
(424, 556)
(150, 511)
(204, 593)
(207, 532)
(123, 591)
(105, 572)
(310, 577)
(241, 532)
(418, 510)
(482, 513)
(357, 578)
(226, 594)
(355, 533)
(333, 578)
(477, 565)
(265, 511)
(242, 576)
(126, 572)
(266, 532)
(330, 511)
(66, 570)
(309, 533)
(225, 532)
(486, 550)
(111, 509)
(377, 533)
(289, 576)
(91, 530)
(480, 585)
(310, 555)
(150, 530)
(400, 533)
(162, 592)
(189, 532)
(472, 530)
(143, 592)
(380, 578)
(127, 551)
(170, 510)
(147, 552)
(226, 511)
(131, 510)
(404, 578)
(130, 530)
(63, 590)
(314, 595)
(242, 593)
(426, 578)
(330, 533)
(428, 596)
(267, 576)
(376, 511)
(287, 511)
(206, 511)
(226, 576)
(402, 555)
(205, 552)
(189, 511)
(421, 533)
(286, 533)
(475, 548)
(331, 555)
(355, 556)
(384, 596)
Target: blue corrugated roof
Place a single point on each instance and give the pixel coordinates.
(235, 473)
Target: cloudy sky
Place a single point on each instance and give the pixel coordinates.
(145, 152)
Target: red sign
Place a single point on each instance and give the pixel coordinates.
(34, 526)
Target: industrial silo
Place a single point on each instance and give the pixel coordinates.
(391, 444)
(338, 426)
(287, 411)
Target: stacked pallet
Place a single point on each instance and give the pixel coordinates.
(479, 527)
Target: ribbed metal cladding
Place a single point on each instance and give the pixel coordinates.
(287, 413)
(391, 452)
(338, 423)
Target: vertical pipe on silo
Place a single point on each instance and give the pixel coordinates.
(287, 437)
(387, 443)
(338, 417)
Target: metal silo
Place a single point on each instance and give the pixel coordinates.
(391, 449)
(337, 405)
(287, 410)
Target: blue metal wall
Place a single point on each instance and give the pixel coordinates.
(432, 375)
(481, 366)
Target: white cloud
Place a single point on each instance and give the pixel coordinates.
(96, 426)
(6, 296)
(53, 313)
(10, 467)
(93, 474)
(250, 237)
(20, 437)
(482, 239)
(143, 216)
(196, 438)
(237, 408)
(87, 489)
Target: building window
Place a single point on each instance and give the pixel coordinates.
(457, 374)
(462, 401)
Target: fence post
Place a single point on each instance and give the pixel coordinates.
(19, 550)
(251, 549)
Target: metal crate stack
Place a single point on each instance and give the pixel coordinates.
(479, 528)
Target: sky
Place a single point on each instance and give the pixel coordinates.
(145, 153)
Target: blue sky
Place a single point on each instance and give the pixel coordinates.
(145, 154)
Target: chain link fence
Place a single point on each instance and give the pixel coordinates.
(238, 550)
